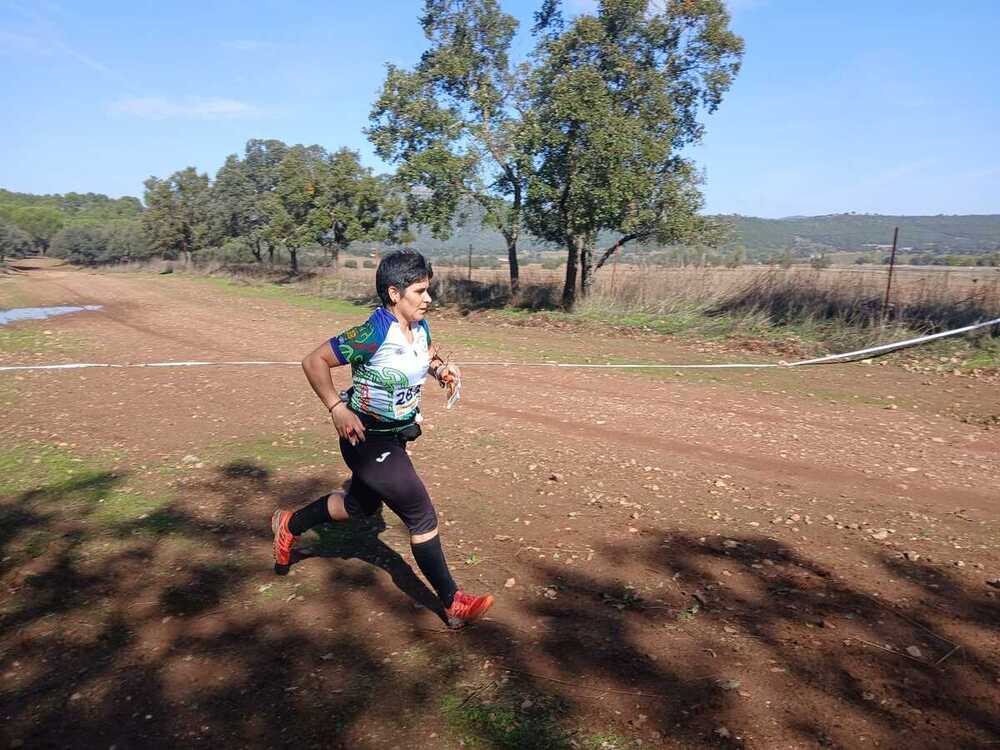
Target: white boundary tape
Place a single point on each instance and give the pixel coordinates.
(86, 365)
(830, 359)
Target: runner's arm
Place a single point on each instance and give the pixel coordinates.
(317, 366)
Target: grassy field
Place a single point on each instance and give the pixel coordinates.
(826, 310)
(809, 311)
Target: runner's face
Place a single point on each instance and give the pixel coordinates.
(413, 303)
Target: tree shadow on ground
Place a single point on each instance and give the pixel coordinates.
(359, 540)
(167, 630)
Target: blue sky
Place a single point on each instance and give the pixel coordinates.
(886, 106)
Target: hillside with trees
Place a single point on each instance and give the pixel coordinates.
(933, 234)
(229, 221)
(761, 238)
(31, 224)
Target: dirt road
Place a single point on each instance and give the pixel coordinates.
(753, 559)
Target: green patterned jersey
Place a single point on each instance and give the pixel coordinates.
(386, 370)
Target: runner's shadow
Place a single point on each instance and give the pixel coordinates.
(358, 539)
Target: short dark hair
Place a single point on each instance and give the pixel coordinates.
(400, 269)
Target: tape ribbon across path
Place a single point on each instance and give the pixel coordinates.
(827, 360)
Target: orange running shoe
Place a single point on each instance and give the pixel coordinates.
(284, 540)
(466, 608)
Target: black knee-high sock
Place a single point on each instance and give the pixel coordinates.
(312, 515)
(430, 559)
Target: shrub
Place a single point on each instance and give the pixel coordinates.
(92, 244)
(83, 245)
(14, 242)
(127, 240)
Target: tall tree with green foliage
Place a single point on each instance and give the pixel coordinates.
(177, 213)
(453, 124)
(261, 161)
(243, 196)
(353, 205)
(235, 211)
(128, 241)
(289, 209)
(615, 96)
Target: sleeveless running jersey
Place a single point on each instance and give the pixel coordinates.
(386, 370)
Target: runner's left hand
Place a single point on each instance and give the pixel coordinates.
(450, 374)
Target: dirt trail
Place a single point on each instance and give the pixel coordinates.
(697, 561)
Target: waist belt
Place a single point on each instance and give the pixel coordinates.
(404, 430)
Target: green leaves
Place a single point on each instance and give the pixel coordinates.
(177, 213)
(453, 125)
(614, 96)
(14, 241)
(176, 216)
(40, 223)
(41, 218)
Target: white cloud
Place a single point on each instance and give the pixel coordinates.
(159, 108)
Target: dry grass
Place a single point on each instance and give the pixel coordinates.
(836, 307)
(789, 299)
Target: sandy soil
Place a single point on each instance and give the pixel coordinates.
(766, 559)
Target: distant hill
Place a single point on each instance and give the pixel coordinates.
(802, 235)
(75, 207)
(972, 234)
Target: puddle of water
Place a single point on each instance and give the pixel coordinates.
(40, 313)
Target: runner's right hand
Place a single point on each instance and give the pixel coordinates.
(348, 425)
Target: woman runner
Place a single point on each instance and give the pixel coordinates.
(390, 356)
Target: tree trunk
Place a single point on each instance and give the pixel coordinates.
(185, 243)
(586, 269)
(255, 249)
(573, 245)
(512, 237)
(270, 254)
(334, 256)
(515, 281)
(293, 255)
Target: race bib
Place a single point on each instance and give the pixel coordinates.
(404, 401)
